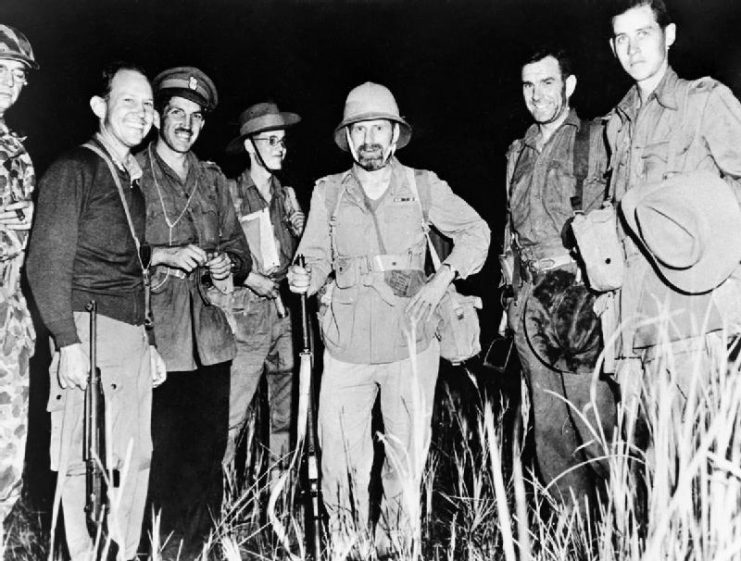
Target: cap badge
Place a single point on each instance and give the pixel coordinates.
(192, 83)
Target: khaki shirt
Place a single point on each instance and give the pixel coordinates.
(364, 322)
(196, 211)
(697, 125)
(541, 183)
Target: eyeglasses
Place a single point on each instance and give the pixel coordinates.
(273, 141)
(19, 74)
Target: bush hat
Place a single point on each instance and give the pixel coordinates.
(258, 118)
(560, 324)
(368, 102)
(188, 82)
(689, 225)
(15, 46)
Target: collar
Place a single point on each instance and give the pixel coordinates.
(533, 131)
(246, 179)
(165, 168)
(354, 188)
(665, 95)
(130, 165)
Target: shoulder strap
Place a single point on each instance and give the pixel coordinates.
(117, 181)
(581, 162)
(145, 270)
(415, 191)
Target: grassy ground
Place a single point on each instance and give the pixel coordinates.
(680, 498)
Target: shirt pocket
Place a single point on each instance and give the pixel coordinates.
(210, 231)
(559, 187)
(401, 225)
(338, 322)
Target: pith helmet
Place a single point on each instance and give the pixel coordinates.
(188, 82)
(15, 46)
(368, 102)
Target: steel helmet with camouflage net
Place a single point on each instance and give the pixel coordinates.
(15, 46)
(368, 102)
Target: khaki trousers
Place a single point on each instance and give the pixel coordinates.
(124, 362)
(348, 394)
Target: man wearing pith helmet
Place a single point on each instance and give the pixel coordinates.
(197, 248)
(17, 181)
(260, 307)
(366, 226)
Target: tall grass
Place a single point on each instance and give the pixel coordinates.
(677, 498)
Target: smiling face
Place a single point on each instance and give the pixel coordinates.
(641, 44)
(181, 124)
(545, 90)
(12, 80)
(127, 112)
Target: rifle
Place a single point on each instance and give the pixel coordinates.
(94, 453)
(310, 467)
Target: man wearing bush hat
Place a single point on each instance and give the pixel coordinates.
(197, 249)
(273, 223)
(367, 226)
(17, 181)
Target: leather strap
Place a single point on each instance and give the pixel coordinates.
(145, 270)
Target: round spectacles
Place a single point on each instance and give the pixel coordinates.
(272, 141)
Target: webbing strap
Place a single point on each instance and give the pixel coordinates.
(581, 163)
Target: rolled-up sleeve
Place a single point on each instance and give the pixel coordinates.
(315, 244)
(456, 219)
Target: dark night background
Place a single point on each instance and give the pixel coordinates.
(453, 66)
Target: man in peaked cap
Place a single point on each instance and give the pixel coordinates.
(273, 223)
(17, 181)
(198, 247)
(367, 226)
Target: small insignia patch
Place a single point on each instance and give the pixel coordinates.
(192, 83)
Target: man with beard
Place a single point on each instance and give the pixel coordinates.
(88, 244)
(198, 246)
(541, 187)
(17, 336)
(367, 227)
(272, 222)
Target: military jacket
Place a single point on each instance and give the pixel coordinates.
(701, 121)
(196, 211)
(17, 182)
(364, 322)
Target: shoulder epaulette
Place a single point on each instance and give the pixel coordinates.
(704, 84)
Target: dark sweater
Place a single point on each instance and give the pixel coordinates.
(81, 246)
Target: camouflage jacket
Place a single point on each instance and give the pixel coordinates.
(17, 182)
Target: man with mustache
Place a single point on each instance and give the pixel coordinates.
(199, 247)
(366, 228)
(261, 317)
(541, 186)
(88, 244)
(17, 336)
